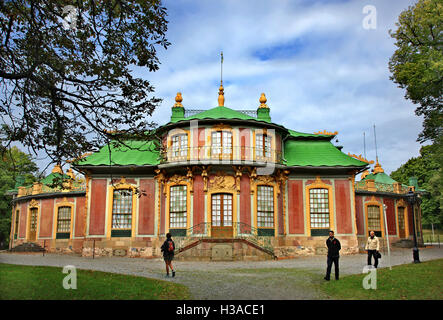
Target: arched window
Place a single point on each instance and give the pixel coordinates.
(63, 222)
(221, 144)
(121, 213)
(178, 207)
(33, 224)
(262, 146)
(374, 220)
(319, 211)
(265, 207)
(179, 147)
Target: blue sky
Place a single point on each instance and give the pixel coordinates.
(319, 68)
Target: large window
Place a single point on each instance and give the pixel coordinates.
(64, 219)
(401, 218)
(17, 216)
(122, 211)
(262, 146)
(374, 222)
(179, 146)
(319, 207)
(221, 144)
(178, 207)
(265, 207)
(34, 215)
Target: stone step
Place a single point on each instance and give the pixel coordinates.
(28, 247)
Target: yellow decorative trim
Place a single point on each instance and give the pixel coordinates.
(327, 133)
(121, 185)
(87, 178)
(401, 203)
(177, 180)
(220, 127)
(179, 132)
(361, 158)
(32, 204)
(213, 189)
(64, 203)
(270, 181)
(319, 184)
(373, 202)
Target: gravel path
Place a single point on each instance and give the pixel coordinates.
(284, 279)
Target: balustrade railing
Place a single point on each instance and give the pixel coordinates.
(221, 153)
(241, 230)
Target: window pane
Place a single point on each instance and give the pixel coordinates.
(401, 217)
(122, 209)
(34, 215)
(374, 218)
(319, 206)
(178, 207)
(265, 206)
(64, 219)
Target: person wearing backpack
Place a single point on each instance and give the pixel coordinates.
(168, 248)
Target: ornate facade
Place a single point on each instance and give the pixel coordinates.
(226, 184)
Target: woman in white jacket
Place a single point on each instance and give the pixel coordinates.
(372, 246)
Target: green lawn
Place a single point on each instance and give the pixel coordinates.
(423, 281)
(427, 235)
(43, 283)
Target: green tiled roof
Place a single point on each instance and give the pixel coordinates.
(297, 134)
(49, 179)
(315, 153)
(380, 177)
(141, 153)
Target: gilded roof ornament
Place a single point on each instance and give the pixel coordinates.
(178, 100)
(221, 97)
(327, 133)
(57, 169)
(263, 101)
(361, 158)
(378, 168)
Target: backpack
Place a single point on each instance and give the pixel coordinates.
(171, 246)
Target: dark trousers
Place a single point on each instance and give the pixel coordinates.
(370, 254)
(332, 260)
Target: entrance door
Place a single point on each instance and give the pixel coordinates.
(401, 222)
(222, 215)
(33, 224)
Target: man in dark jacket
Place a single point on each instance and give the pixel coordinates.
(168, 248)
(333, 255)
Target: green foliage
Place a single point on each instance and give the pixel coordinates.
(67, 72)
(16, 168)
(46, 283)
(428, 170)
(417, 64)
(395, 284)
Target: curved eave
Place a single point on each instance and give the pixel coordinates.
(49, 195)
(360, 169)
(186, 122)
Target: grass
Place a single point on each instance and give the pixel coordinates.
(427, 235)
(46, 283)
(423, 281)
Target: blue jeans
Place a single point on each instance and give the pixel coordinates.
(332, 260)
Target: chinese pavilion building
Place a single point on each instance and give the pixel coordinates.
(227, 184)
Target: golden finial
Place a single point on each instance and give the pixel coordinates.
(178, 100)
(364, 174)
(263, 101)
(57, 169)
(378, 168)
(221, 97)
(70, 174)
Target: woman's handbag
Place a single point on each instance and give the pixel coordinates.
(378, 254)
